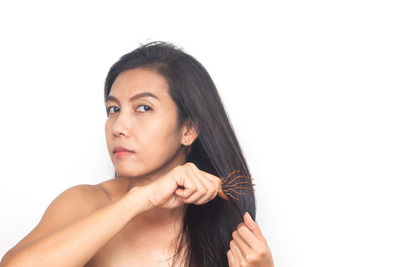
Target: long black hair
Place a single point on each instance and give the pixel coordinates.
(207, 229)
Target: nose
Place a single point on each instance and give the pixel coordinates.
(122, 125)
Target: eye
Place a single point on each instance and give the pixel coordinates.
(149, 108)
(109, 108)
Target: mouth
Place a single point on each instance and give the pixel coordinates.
(121, 149)
(120, 154)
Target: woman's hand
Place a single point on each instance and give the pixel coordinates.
(183, 184)
(249, 247)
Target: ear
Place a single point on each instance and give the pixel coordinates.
(190, 131)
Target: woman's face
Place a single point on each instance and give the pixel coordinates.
(144, 124)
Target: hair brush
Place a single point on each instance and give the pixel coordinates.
(229, 186)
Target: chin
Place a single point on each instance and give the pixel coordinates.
(133, 169)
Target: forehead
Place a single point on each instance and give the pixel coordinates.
(134, 81)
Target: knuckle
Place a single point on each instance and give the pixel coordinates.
(210, 197)
(183, 168)
(241, 228)
(189, 164)
(243, 263)
(262, 252)
(193, 165)
(231, 243)
(251, 258)
(213, 195)
(202, 191)
(179, 168)
(234, 234)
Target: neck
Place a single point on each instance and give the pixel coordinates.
(159, 216)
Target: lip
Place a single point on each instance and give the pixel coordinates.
(121, 149)
(120, 154)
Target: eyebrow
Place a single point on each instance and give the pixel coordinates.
(144, 94)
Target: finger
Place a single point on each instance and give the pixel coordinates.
(195, 173)
(200, 188)
(215, 182)
(189, 187)
(239, 257)
(210, 176)
(231, 259)
(211, 183)
(209, 187)
(209, 194)
(258, 249)
(243, 246)
(248, 237)
(253, 227)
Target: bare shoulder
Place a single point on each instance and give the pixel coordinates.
(77, 201)
(115, 188)
(73, 203)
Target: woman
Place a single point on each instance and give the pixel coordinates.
(171, 142)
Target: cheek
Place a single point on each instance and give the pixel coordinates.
(159, 140)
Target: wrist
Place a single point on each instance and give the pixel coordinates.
(137, 200)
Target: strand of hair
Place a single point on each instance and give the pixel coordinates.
(237, 177)
(231, 196)
(233, 185)
(242, 194)
(230, 175)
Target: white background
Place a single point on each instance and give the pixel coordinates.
(311, 88)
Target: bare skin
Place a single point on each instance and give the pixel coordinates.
(142, 242)
(141, 236)
(133, 220)
(144, 126)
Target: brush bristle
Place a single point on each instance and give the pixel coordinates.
(234, 183)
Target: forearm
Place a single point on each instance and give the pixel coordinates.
(76, 243)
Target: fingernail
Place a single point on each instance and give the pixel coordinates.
(249, 216)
